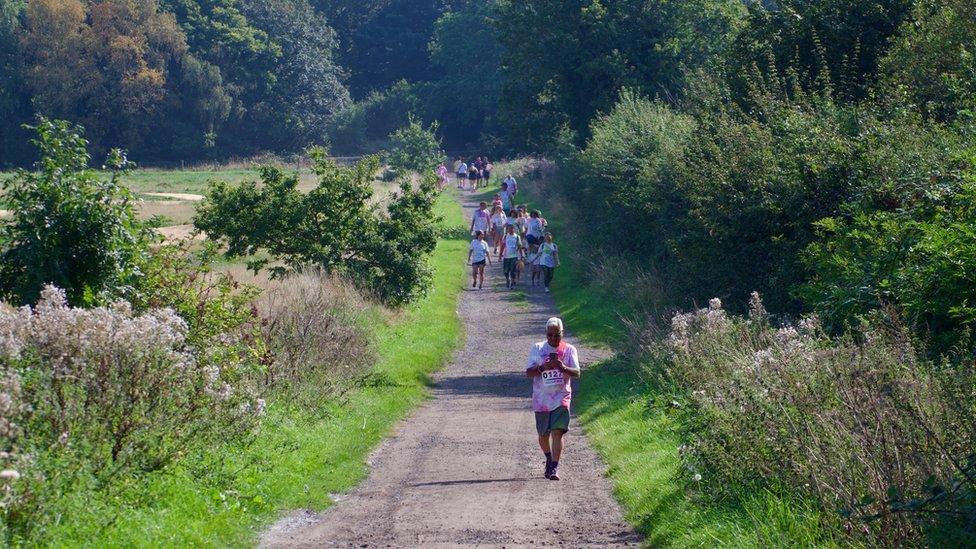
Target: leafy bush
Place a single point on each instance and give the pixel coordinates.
(365, 126)
(100, 396)
(70, 228)
(332, 227)
(857, 423)
(414, 148)
(919, 260)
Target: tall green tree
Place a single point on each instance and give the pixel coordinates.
(119, 67)
(566, 60)
(332, 226)
(308, 90)
(933, 60)
(465, 82)
(830, 45)
(15, 106)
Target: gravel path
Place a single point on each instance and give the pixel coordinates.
(465, 469)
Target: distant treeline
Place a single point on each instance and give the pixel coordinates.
(177, 80)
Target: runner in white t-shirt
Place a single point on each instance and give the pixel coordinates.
(548, 259)
(512, 250)
(478, 255)
(498, 222)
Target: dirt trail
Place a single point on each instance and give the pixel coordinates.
(465, 469)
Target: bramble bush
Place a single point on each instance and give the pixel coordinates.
(859, 424)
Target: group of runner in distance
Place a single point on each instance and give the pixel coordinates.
(519, 237)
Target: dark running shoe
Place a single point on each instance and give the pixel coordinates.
(548, 467)
(553, 473)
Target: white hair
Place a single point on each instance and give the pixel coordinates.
(555, 321)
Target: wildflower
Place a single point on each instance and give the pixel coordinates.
(9, 475)
(714, 304)
(259, 407)
(697, 477)
(63, 438)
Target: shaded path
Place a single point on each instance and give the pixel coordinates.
(465, 469)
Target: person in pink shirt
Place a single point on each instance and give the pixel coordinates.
(552, 365)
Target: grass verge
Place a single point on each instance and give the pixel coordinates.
(637, 437)
(301, 457)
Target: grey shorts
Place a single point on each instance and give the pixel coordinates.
(545, 422)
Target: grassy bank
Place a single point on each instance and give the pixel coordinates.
(301, 457)
(634, 429)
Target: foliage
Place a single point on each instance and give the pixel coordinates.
(914, 259)
(105, 395)
(466, 59)
(117, 68)
(831, 46)
(856, 424)
(365, 126)
(565, 61)
(415, 148)
(70, 227)
(332, 226)
(933, 61)
(383, 42)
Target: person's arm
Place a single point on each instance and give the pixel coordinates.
(472, 221)
(572, 369)
(555, 254)
(532, 369)
(470, 251)
(501, 249)
(487, 254)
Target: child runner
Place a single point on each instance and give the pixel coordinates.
(477, 256)
(552, 365)
(512, 249)
(487, 171)
(508, 198)
(548, 259)
(497, 201)
(498, 222)
(441, 176)
(462, 174)
(480, 219)
(532, 260)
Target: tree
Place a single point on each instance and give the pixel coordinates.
(465, 84)
(308, 91)
(566, 60)
(385, 41)
(830, 45)
(70, 228)
(15, 108)
(332, 226)
(415, 148)
(118, 67)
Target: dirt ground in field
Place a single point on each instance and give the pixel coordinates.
(466, 469)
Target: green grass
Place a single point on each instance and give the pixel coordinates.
(299, 460)
(639, 442)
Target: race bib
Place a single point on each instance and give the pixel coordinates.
(551, 378)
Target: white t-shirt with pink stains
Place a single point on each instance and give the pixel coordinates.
(552, 389)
